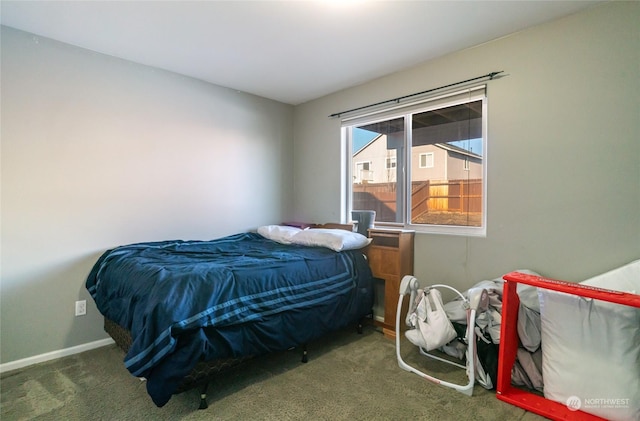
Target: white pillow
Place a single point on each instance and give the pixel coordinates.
(279, 233)
(590, 347)
(334, 239)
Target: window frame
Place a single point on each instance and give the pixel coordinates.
(426, 165)
(407, 111)
(361, 171)
(391, 162)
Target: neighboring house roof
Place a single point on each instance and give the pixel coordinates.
(458, 149)
(445, 146)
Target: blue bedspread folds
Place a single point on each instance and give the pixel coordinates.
(189, 301)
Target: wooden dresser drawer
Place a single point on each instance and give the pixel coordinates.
(384, 261)
(390, 257)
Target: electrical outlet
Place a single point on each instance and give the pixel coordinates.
(81, 307)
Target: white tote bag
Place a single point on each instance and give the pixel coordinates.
(433, 327)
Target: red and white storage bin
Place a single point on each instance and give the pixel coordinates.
(590, 338)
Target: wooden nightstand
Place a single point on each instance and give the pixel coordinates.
(390, 256)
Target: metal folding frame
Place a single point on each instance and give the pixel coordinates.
(478, 300)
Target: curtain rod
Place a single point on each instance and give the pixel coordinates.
(400, 98)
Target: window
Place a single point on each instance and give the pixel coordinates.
(363, 173)
(434, 159)
(426, 160)
(391, 162)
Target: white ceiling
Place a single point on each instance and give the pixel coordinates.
(289, 51)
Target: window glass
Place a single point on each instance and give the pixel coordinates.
(424, 169)
(391, 162)
(426, 160)
(449, 190)
(380, 143)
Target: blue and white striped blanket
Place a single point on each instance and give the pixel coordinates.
(185, 301)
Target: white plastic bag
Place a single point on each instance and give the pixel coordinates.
(433, 329)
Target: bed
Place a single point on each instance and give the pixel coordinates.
(186, 310)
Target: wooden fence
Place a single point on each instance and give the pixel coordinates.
(453, 196)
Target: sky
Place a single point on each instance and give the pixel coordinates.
(361, 137)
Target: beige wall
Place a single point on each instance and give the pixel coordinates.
(563, 150)
(99, 152)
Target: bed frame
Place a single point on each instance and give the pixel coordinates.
(205, 371)
(199, 377)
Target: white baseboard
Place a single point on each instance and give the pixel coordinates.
(25, 362)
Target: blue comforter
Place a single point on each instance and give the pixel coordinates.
(191, 301)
